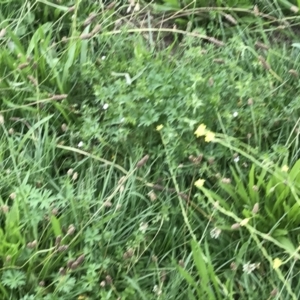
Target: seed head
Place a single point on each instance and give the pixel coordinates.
(71, 230)
(96, 29)
(59, 97)
(154, 258)
(32, 80)
(274, 292)
(143, 161)
(183, 196)
(256, 10)
(70, 262)
(75, 176)
(74, 265)
(103, 283)
(85, 36)
(64, 127)
(261, 46)
(255, 208)
(62, 248)
(71, 8)
(128, 254)
(42, 283)
(80, 259)
(90, 19)
(58, 240)
(12, 196)
(294, 73)
(32, 245)
(163, 276)
(219, 61)
(245, 221)
(23, 66)
(108, 203)
(294, 9)
(137, 7)
(264, 63)
(152, 195)
(250, 101)
(231, 19)
(216, 42)
(235, 226)
(2, 32)
(233, 266)
(226, 180)
(181, 263)
(54, 211)
(108, 280)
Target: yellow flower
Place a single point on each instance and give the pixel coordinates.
(159, 127)
(199, 183)
(284, 168)
(244, 222)
(201, 130)
(277, 262)
(209, 137)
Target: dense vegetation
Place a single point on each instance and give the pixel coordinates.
(149, 150)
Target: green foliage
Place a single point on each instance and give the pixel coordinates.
(13, 279)
(87, 91)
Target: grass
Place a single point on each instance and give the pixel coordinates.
(143, 160)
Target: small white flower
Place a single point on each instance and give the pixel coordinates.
(80, 144)
(105, 106)
(236, 159)
(249, 268)
(235, 114)
(103, 57)
(75, 176)
(214, 233)
(143, 227)
(157, 290)
(122, 120)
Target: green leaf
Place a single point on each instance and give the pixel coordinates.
(286, 243)
(55, 225)
(13, 279)
(190, 280)
(201, 266)
(66, 284)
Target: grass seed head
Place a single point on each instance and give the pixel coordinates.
(2, 32)
(231, 19)
(80, 259)
(108, 280)
(293, 73)
(143, 161)
(235, 226)
(23, 66)
(255, 208)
